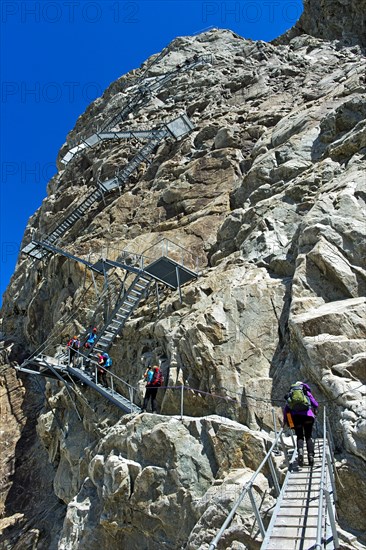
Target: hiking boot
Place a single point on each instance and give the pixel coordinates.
(311, 460)
(300, 458)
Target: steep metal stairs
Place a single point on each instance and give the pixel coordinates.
(295, 519)
(141, 96)
(163, 269)
(96, 138)
(144, 91)
(51, 367)
(121, 313)
(159, 266)
(304, 515)
(176, 128)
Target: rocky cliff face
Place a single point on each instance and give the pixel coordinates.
(268, 194)
(342, 20)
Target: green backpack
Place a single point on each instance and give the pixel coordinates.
(296, 399)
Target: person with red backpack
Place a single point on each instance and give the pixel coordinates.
(299, 413)
(153, 383)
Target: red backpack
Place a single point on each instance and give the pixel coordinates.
(157, 379)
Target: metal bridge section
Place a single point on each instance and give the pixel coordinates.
(304, 515)
(176, 128)
(60, 369)
(103, 136)
(164, 262)
(142, 92)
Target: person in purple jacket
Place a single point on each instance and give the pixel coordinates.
(302, 421)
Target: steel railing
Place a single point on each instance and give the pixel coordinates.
(324, 493)
(84, 362)
(248, 488)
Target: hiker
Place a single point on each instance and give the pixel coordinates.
(105, 362)
(73, 346)
(90, 341)
(154, 380)
(299, 413)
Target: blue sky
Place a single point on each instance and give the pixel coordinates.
(58, 56)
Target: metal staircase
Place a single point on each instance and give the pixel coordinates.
(96, 138)
(163, 262)
(123, 310)
(304, 515)
(51, 367)
(176, 128)
(143, 92)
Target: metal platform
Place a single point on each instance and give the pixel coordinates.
(170, 272)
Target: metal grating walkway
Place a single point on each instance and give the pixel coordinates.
(50, 367)
(294, 522)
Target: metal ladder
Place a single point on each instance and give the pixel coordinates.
(144, 92)
(96, 138)
(304, 516)
(50, 367)
(123, 310)
(176, 128)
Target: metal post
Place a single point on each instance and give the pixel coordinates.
(178, 283)
(287, 462)
(275, 450)
(95, 284)
(274, 476)
(111, 382)
(130, 393)
(331, 475)
(181, 401)
(332, 520)
(157, 296)
(96, 373)
(256, 512)
(319, 527)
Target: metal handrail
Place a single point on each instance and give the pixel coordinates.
(83, 356)
(247, 490)
(323, 492)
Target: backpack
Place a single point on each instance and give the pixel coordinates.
(107, 360)
(149, 376)
(157, 379)
(73, 344)
(296, 399)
